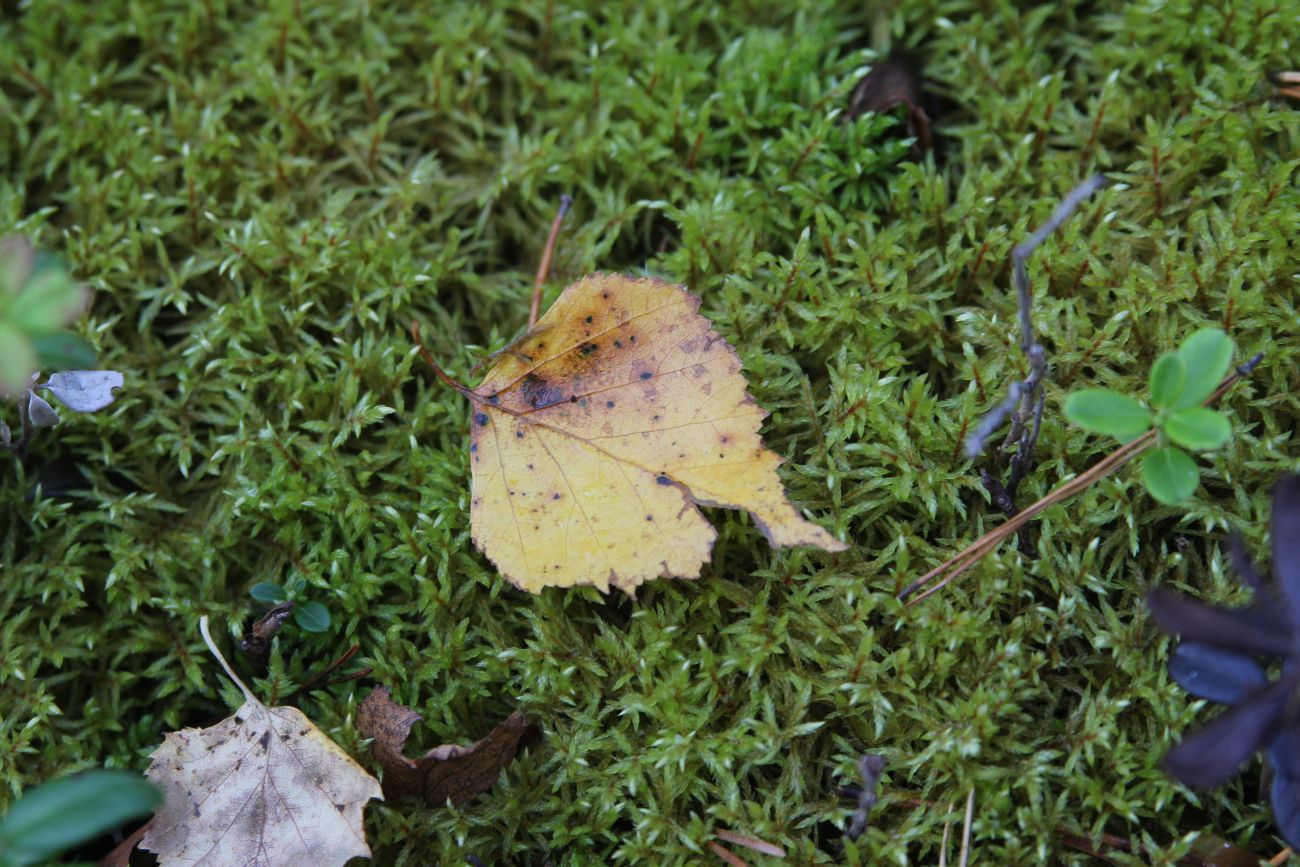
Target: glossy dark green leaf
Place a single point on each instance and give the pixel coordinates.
(269, 592)
(312, 616)
(64, 350)
(62, 813)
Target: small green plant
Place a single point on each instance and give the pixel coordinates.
(310, 616)
(37, 298)
(55, 816)
(1180, 382)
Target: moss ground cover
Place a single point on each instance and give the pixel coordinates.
(264, 197)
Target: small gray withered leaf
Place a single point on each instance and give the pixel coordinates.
(84, 390)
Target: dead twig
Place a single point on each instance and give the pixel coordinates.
(870, 767)
(323, 679)
(544, 267)
(965, 829)
(1024, 401)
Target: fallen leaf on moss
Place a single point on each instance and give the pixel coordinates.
(447, 772)
(264, 786)
(595, 437)
(122, 852)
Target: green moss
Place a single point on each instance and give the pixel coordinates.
(264, 200)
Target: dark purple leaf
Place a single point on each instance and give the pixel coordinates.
(1213, 754)
(1238, 630)
(1244, 568)
(896, 80)
(1216, 674)
(1285, 751)
(1286, 808)
(1286, 540)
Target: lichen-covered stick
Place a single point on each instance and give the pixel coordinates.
(1024, 400)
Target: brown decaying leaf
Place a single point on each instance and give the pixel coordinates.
(257, 640)
(596, 437)
(263, 787)
(445, 773)
(893, 81)
(121, 854)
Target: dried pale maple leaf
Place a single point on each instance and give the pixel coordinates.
(263, 787)
(596, 435)
(447, 772)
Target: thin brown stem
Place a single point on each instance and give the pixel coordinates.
(428, 357)
(325, 677)
(544, 267)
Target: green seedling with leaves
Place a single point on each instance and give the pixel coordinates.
(310, 616)
(1180, 383)
(38, 296)
(56, 816)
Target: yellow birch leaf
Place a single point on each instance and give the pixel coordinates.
(264, 787)
(596, 435)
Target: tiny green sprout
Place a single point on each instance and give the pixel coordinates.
(1180, 382)
(310, 616)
